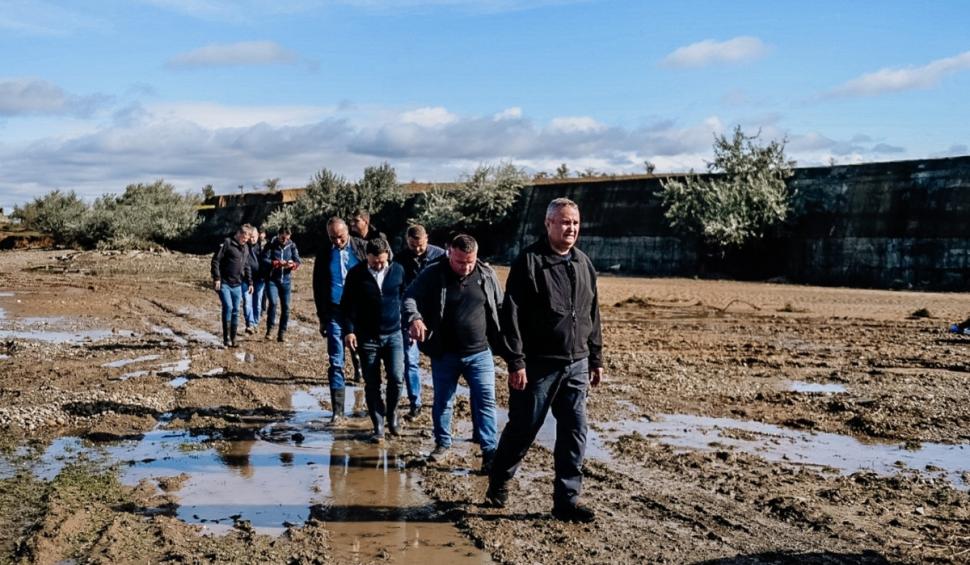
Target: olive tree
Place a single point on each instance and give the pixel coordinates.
(60, 214)
(743, 195)
(483, 197)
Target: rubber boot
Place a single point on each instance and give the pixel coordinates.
(233, 328)
(225, 334)
(337, 397)
(391, 412)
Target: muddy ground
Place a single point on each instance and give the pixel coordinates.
(738, 423)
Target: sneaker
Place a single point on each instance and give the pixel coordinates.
(438, 453)
(413, 413)
(497, 496)
(577, 513)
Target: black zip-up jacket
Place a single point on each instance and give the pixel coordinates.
(322, 277)
(425, 300)
(547, 317)
(230, 263)
(367, 310)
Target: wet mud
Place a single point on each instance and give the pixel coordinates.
(739, 423)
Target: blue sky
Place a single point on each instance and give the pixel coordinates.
(97, 95)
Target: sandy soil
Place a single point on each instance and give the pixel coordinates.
(121, 326)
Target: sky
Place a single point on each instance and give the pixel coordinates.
(98, 95)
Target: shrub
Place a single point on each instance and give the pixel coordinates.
(746, 197)
(145, 215)
(484, 197)
(60, 214)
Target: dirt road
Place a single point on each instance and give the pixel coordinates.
(739, 423)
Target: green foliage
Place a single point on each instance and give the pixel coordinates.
(484, 197)
(746, 196)
(60, 214)
(329, 194)
(208, 192)
(145, 215)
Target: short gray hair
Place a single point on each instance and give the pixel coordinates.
(558, 204)
(464, 243)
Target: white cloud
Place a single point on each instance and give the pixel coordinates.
(40, 18)
(34, 96)
(711, 52)
(513, 113)
(576, 124)
(429, 117)
(234, 54)
(217, 116)
(900, 79)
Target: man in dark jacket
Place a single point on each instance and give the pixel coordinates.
(452, 310)
(551, 323)
(415, 258)
(280, 259)
(361, 227)
(371, 316)
(251, 301)
(231, 278)
(333, 263)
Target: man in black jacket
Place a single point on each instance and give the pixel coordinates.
(371, 316)
(231, 277)
(551, 324)
(330, 270)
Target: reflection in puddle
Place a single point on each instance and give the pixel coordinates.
(816, 388)
(372, 505)
(776, 443)
(124, 362)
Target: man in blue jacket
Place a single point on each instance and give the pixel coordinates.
(415, 258)
(280, 259)
(371, 316)
(452, 310)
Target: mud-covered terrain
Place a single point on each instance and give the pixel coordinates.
(738, 423)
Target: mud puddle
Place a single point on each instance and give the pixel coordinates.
(775, 443)
(815, 388)
(289, 472)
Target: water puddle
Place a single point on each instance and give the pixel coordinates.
(244, 357)
(815, 388)
(291, 471)
(775, 443)
(202, 336)
(4, 356)
(170, 334)
(73, 337)
(123, 362)
(178, 382)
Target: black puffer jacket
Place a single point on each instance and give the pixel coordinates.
(550, 311)
(230, 263)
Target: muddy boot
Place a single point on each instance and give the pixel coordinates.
(225, 334)
(337, 397)
(359, 409)
(269, 333)
(232, 334)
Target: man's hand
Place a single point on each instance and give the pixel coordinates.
(517, 379)
(217, 285)
(595, 376)
(249, 290)
(350, 340)
(418, 330)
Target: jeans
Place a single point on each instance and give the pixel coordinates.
(479, 371)
(562, 387)
(412, 370)
(230, 295)
(335, 352)
(253, 303)
(388, 348)
(280, 293)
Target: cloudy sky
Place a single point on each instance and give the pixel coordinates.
(97, 95)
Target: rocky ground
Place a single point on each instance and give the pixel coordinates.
(90, 343)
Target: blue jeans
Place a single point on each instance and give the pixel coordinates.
(479, 371)
(280, 293)
(412, 370)
(335, 352)
(388, 348)
(230, 295)
(253, 303)
(561, 386)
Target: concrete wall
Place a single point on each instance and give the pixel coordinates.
(898, 224)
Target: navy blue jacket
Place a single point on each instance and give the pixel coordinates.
(368, 311)
(278, 252)
(413, 265)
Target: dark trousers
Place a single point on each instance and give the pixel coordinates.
(563, 388)
(389, 349)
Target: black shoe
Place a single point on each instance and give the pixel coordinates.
(488, 458)
(269, 334)
(280, 338)
(233, 344)
(393, 430)
(438, 453)
(497, 495)
(377, 437)
(413, 413)
(577, 513)
(226, 342)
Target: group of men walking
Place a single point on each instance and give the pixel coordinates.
(384, 308)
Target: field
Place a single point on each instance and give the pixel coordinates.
(738, 423)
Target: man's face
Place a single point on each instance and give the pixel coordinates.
(462, 263)
(262, 236)
(360, 225)
(284, 237)
(253, 236)
(418, 244)
(338, 235)
(377, 262)
(242, 236)
(563, 228)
